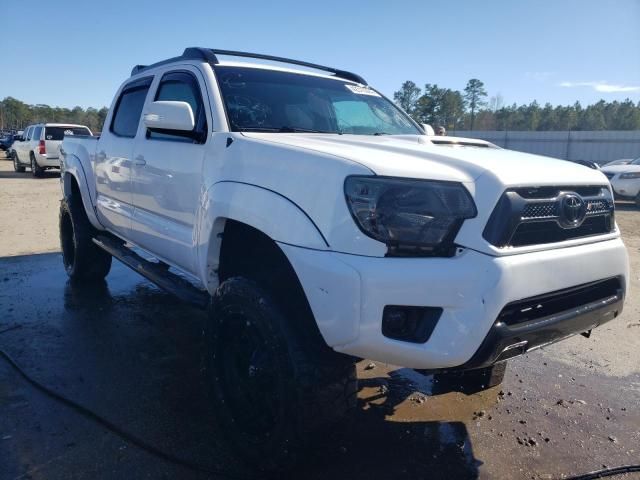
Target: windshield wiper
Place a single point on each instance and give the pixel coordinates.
(257, 129)
(284, 129)
(377, 134)
(287, 129)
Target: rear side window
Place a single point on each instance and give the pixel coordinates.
(27, 134)
(182, 87)
(129, 108)
(58, 133)
(37, 133)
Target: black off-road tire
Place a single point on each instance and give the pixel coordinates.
(274, 393)
(36, 170)
(83, 259)
(16, 164)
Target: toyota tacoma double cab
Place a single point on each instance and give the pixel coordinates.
(321, 225)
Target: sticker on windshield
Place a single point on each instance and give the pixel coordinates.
(362, 90)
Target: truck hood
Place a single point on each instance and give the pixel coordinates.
(414, 156)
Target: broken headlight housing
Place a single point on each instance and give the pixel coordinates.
(412, 217)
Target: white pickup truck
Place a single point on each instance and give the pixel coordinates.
(322, 225)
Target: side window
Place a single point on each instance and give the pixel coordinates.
(27, 134)
(129, 108)
(37, 133)
(182, 87)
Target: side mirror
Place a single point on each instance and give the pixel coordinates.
(428, 129)
(169, 117)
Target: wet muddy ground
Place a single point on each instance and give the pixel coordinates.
(131, 353)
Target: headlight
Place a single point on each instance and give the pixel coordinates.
(630, 175)
(411, 216)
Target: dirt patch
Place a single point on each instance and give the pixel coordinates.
(29, 211)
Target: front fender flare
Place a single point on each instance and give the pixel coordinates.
(273, 214)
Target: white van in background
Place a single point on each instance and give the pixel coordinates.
(38, 147)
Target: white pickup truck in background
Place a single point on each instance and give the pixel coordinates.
(322, 225)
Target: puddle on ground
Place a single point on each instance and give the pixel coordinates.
(406, 395)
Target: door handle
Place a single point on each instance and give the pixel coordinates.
(139, 161)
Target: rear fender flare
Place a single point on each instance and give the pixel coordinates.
(74, 171)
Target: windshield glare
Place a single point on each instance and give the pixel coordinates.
(274, 101)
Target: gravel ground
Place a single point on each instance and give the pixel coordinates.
(29, 218)
(130, 352)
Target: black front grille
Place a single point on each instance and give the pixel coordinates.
(537, 233)
(531, 193)
(542, 306)
(534, 216)
(540, 210)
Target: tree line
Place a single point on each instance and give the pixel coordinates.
(472, 109)
(15, 114)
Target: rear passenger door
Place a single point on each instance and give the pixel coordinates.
(113, 159)
(167, 174)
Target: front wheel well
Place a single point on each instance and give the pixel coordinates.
(248, 252)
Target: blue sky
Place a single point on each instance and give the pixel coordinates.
(68, 53)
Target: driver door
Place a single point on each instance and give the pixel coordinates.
(167, 175)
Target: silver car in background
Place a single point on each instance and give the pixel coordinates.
(625, 180)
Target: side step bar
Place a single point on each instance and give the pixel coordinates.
(154, 272)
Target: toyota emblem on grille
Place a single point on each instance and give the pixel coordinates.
(573, 210)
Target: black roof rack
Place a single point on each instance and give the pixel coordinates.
(210, 55)
(338, 73)
(188, 54)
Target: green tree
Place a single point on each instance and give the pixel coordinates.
(548, 118)
(440, 106)
(627, 117)
(567, 117)
(15, 114)
(407, 96)
(451, 109)
(532, 116)
(592, 118)
(429, 105)
(474, 95)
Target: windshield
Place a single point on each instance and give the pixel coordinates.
(272, 101)
(636, 161)
(58, 133)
